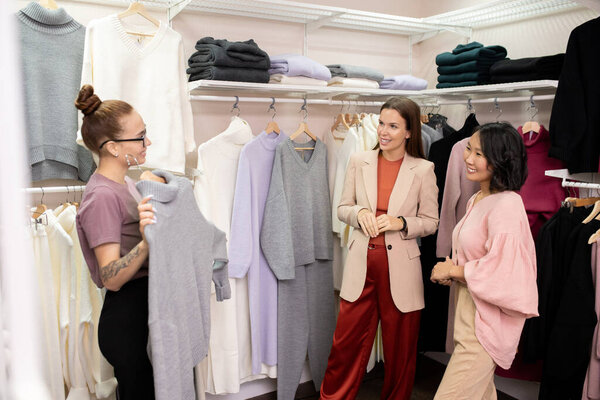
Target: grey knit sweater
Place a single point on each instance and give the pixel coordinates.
(52, 56)
(296, 226)
(185, 252)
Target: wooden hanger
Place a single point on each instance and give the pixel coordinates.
(340, 120)
(355, 120)
(595, 212)
(48, 4)
(139, 9)
(303, 128)
(576, 202)
(531, 126)
(41, 208)
(272, 127)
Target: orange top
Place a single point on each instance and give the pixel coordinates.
(387, 172)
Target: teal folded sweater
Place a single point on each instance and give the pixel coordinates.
(488, 53)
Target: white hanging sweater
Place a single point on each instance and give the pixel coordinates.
(61, 246)
(88, 301)
(230, 352)
(149, 75)
(49, 312)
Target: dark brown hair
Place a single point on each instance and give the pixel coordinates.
(101, 119)
(504, 150)
(410, 111)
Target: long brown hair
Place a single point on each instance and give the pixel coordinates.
(101, 119)
(411, 112)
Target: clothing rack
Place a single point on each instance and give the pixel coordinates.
(54, 189)
(586, 180)
(331, 102)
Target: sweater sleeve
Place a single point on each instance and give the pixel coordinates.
(186, 112)
(242, 241)
(506, 275)
(426, 221)
(220, 274)
(452, 192)
(276, 232)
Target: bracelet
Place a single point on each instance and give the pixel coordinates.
(403, 224)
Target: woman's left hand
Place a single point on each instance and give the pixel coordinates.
(441, 272)
(388, 223)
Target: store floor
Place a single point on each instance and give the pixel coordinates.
(429, 376)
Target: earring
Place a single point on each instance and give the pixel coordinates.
(127, 159)
(116, 154)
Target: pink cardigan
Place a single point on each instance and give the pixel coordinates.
(494, 243)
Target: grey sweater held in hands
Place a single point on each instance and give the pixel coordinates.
(185, 252)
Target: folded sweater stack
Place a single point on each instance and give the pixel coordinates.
(527, 69)
(296, 69)
(223, 60)
(354, 76)
(467, 65)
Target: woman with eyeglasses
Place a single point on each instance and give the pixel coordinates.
(110, 224)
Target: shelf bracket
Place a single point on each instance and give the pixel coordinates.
(176, 7)
(314, 25)
(418, 38)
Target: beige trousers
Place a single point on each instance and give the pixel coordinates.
(470, 372)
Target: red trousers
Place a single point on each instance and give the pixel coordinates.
(355, 332)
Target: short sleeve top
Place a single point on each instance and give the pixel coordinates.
(108, 214)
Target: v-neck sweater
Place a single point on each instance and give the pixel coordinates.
(151, 77)
(297, 217)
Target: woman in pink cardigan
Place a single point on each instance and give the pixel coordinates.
(493, 265)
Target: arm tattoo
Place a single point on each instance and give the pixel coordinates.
(112, 269)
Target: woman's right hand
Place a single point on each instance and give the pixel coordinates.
(368, 223)
(146, 213)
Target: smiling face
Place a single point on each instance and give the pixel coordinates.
(478, 168)
(133, 127)
(392, 133)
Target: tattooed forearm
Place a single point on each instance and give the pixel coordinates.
(112, 269)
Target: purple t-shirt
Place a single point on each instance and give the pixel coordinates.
(108, 214)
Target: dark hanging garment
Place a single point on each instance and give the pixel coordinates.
(575, 118)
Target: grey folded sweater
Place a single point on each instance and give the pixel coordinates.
(185, 252)
(354, 71)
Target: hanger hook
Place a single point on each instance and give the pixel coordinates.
(272, 107)
(533, 107)
(303, 108)
(469, 105)
(42, 199)
(235, 106)
(497, 108)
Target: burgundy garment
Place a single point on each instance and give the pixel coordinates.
(541, 194)
(355, 333)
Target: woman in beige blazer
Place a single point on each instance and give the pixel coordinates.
(390, 198)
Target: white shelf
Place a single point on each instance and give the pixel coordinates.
(314, 16)
(225, 88)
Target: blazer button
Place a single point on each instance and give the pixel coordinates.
(389, 246)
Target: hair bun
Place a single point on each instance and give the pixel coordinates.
(87, 101)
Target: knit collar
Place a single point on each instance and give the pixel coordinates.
(48, 21)
(161, 192)
(271, 140)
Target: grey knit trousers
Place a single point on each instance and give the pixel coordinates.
(306, 322)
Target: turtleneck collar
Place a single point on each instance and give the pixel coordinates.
(48, 21)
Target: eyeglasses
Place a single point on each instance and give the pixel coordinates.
(141, 139)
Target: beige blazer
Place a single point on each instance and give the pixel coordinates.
(414, 197)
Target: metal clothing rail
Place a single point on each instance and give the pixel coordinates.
(285, 100)
(370, 103)
(587, 180)
(54, 189)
